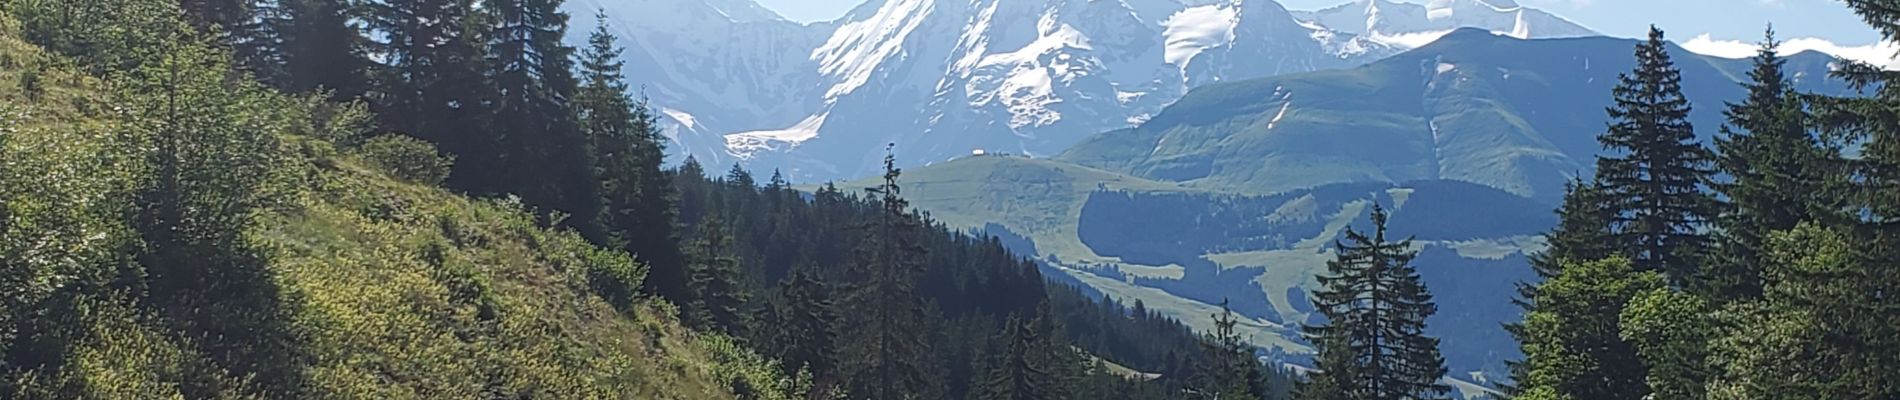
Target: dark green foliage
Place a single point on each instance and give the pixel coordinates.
(1582, 235)
(1826, 327)
(1230, 370)
(321, 51)
(1373, 344)
(1671, 332)
(636, 197)
(1782, 175)
(803, 327)
(212, 163)
(1022, 366)
(430, 83)
(1656, 172)
(101, 35)
(408, 158)
(533, 145)
(1572, 341)
(885, 315)
(718, 296)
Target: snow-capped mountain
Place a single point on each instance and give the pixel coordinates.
(941, 78)
(1409, 25)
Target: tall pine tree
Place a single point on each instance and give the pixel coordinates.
(430, 83)
(719, 298)
(890, 353)
(1781, 175)
(1582, 234)
(804, 327)
(1022, 368)
(1657, 170)
(636, 195)
(534, 138)
(1373, 344)
(320, 48)
(1229, 369)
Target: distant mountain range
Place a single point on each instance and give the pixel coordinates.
(1236, 191)
(1180, 152)
(1475, 106)
(939, 78)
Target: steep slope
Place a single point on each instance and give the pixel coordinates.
(942, 78)
(1518, 115)
(375, 287)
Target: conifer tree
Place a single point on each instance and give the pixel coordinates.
(1780, 176)
(805, 327)
(1657, 169)
(538, 149)
(636, 195)
(430, 82)
(1825, 328)
(1670, 331)
(320, 50)
(1373, 345)
(1582, 234)
(238, 25)
(889, 355)
(1572, 342)
(1021, 368)
(719, 297)
(1838, 279)
(1229, 370)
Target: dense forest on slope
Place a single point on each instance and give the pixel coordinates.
(459, 205)
(1760, 268)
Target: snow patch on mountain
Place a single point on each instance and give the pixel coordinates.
(857, 48)
(1408, 40)
(1191, 31)
(746, 144)
(1027, 90)
(685, 119)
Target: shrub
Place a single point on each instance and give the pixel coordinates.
(408, 158)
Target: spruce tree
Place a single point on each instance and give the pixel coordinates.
(1671, 332)
(1020, 369)
(890, 353)
(1572, 342)
(1228, 369)
(1582, 234)
(1657, 169)
(805, 326)
(636, 195)
(429, 83)
(1373, 345)
(1781, 175)
(719, 297)
(538, 149)
(1838, 279)
(320, 50)
(1825, 328)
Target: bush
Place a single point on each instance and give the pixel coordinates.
(408, 158)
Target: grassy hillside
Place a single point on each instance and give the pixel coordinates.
(1181, 250)
(374, 286)
(1037, 199)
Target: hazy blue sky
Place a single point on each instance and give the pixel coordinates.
(1683, 19)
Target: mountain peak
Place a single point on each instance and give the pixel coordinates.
(1409, 25)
